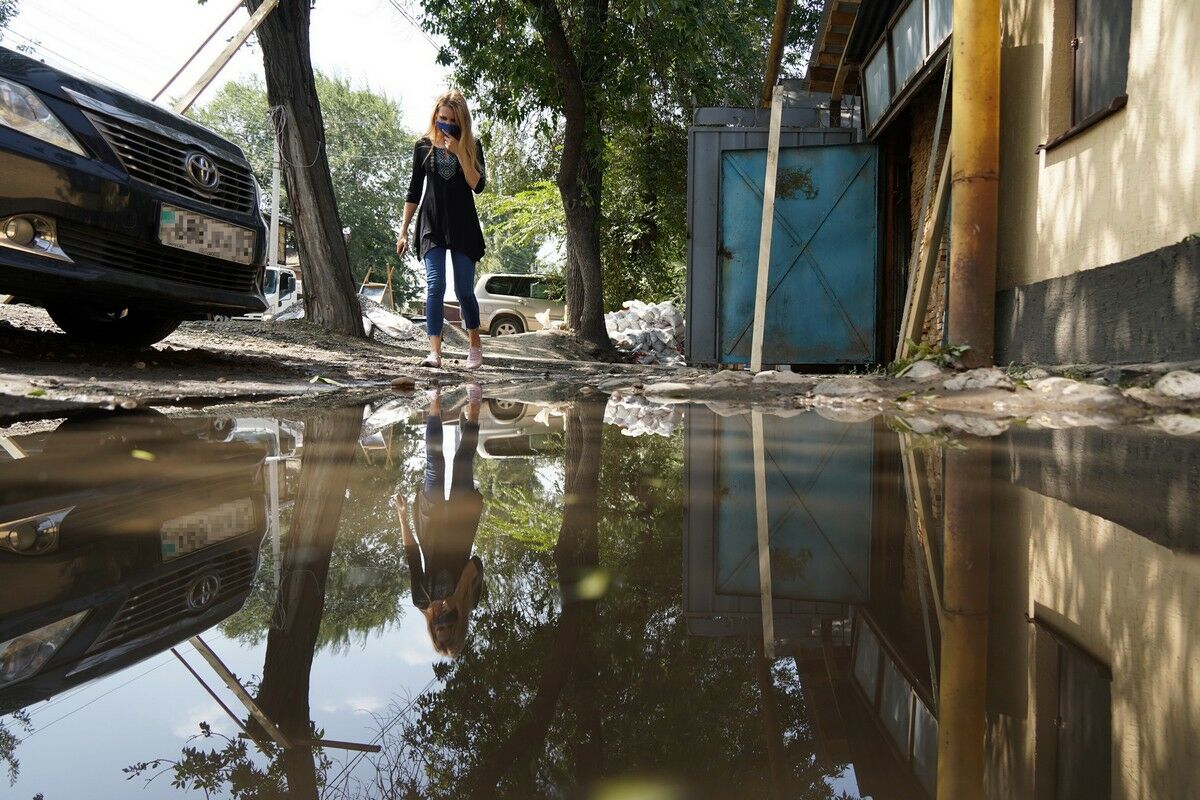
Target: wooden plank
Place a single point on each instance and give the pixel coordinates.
(764, 539)
(918, 299)
(333, 744)
(767, 229)
(236, 42)
(915, 277)
(240, 692)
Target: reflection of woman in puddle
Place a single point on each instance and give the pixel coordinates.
(446, 577)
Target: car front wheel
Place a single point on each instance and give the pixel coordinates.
(507, 325)
(126, 327)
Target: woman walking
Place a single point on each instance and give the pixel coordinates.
(448, 164)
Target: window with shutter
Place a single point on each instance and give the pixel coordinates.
(1101, 55)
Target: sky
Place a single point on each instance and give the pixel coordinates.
(138, 44)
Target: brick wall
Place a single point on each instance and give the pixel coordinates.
(923, 119)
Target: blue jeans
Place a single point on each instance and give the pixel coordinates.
(464, 289)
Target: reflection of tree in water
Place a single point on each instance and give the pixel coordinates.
(367, 578)
(330, 444)
(542, 700)
(9, 739)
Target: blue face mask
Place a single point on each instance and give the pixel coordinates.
(449, 128)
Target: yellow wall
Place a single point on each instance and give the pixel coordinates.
(1126, 186)
(1126, 600)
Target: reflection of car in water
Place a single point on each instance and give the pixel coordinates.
(120, 536)
(511, 429)
(507, 428)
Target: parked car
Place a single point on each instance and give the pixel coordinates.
(508, 303)
(119, 217)
(106, 560)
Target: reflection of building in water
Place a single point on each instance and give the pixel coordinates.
(841, 571)
(120, 536)
(1093, 583)
(1096, 543)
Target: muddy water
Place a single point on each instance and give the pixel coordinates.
(523, 601)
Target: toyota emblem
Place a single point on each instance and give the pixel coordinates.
(203, 171)
(203, 591)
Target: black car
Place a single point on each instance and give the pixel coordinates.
(120, 536)
(119, 217)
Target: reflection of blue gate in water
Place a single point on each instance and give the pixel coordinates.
(818, 509)
(822, 289)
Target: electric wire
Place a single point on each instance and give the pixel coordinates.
(38, 46)
(353, 762)
(415, 24)
(160, 665)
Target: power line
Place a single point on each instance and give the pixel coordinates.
(38, 46)
(161, 664)
(412, 21)
(382, 732)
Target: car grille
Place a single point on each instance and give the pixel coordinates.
(160, 160)
(159, 602)
(127, 254)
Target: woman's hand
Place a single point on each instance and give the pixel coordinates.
(452, 145)
(402, 244)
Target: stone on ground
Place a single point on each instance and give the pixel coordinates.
(984, 378)
(1180, 384)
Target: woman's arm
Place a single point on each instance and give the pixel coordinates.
(412, 554)
(415, 184)
(402, 240)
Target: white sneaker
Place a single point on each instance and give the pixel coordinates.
(474, 358)
(432, 360)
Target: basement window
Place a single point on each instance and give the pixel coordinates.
(1101, 56)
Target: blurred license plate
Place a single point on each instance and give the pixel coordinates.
(209, 526)
(197, 233)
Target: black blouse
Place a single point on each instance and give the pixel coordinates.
(447, 216)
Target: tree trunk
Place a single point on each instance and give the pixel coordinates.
(330, 299)
(576, 555)
(580, 173)
(329, 443)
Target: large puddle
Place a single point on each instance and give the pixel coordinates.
(517, 600)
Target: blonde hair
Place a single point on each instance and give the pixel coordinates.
(456, 102)
(465, 598)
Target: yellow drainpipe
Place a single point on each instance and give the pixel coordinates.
(974, 194)
(962, 685)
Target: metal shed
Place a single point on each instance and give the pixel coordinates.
(823, 287)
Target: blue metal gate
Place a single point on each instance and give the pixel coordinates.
(819, 509)
(822, 291)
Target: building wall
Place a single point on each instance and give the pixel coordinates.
(1124, 187)
(1122, 194)
(1125, 600)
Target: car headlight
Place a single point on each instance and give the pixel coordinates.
(22, 656)
(21, 110)
(33, 536)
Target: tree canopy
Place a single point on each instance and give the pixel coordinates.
(645, 67)
(369, 154)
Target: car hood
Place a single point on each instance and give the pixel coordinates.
(107, 99)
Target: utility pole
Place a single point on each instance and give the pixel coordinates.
(975, 182)
(783, 14)
(273, 242)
